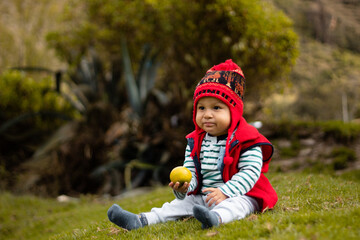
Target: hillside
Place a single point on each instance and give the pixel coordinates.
(335, 22)
(323, 85)
(325, 82)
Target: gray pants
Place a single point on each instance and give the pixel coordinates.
(229, 210)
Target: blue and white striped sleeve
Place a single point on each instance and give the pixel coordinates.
(189, 164)
(250, 165)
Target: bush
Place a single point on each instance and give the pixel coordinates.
(30, 111)
(342, 156)
(344, 152)
(289, 129)
(35, 100)
(189, 36)
(292, 151)
(337, 130)
(342, 132)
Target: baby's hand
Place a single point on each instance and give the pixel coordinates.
(176, 187)
(215, 196)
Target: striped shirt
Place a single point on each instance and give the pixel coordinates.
(211, 158)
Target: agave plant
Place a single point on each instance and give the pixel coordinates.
(139, 87)
(114, 163)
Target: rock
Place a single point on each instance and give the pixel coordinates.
(283, 143)
(66, 199)
(307, 142)
(305, 152)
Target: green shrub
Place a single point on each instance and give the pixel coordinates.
(340, 131)
(186, 35)
(318, 166)
(344, 152)
(291, 151)
(290, 129)
(342, 156)
(23, 95)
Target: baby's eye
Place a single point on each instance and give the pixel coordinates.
(201, 108)
(217, 107)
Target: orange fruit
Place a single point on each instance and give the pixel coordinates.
(181, 175)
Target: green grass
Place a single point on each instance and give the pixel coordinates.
(311, 206)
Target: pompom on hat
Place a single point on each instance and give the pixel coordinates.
(225, 81)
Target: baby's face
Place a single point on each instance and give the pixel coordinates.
(213, 116)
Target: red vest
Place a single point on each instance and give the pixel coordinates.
(246, 137)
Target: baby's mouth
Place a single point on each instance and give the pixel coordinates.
(209, 124)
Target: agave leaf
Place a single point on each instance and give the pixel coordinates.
(102, 169)
(32, 69)
(96, 68)
(87, 73)
(76, 96)
(151, 73)
(78, 105)
(84, 71)
(142, 74)
(147, 73)
(142, 68)
(161, 97)
(130, 82)
(135, 163)
(28, 115)
(139, 178)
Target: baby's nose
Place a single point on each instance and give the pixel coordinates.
(207, 114)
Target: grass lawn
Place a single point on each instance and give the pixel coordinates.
(311, 206)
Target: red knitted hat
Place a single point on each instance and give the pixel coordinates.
(226, 82)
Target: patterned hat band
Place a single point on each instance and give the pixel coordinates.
(223, 92)
(233, 80)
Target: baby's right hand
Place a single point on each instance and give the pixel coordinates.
(176, 187)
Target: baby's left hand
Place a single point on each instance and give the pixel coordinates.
(215, 196)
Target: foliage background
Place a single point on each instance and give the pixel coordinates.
(115, 55)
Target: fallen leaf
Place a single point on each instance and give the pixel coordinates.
(269, 226)
(266, 209)
(252, 217)
(285, 197)
(115, 231)
(291, 209)
(187, 218)
(339, 200)
(211, 234)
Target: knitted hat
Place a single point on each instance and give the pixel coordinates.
(226, 82)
